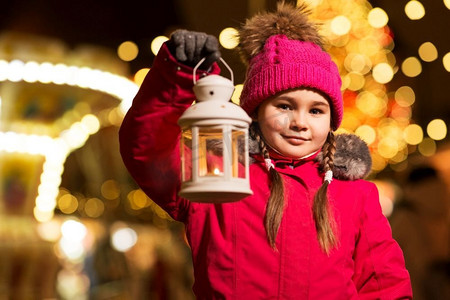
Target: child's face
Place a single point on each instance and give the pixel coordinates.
(295, 123)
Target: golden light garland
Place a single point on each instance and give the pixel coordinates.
(56, 150)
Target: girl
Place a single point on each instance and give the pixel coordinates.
(303, 234)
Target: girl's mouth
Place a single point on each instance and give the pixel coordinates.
(294, 140)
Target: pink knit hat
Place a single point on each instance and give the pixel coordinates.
(285, 64)
(283, 50)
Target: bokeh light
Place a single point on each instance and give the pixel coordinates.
(237, 93)
(67, 203)
(91, 123)
(428, 52)
(354, 81)
(359, 63)
(49, 231)
(123, 239)
(94, 207)
(383, 73)
(140, 75)
(378, 162)
(340, 25)
(110, 189)
(377, 18)
(313, 3)
(414, 10)
(157, 43)
(370, 104)
(127, 51)
(405, 96)
(447, 3)
(413, 134)
(437, 129)
(427, 147)
(446, 61)
(73, 230)
(228, 38)
(411, 67)
(366, 133)
(43, 216)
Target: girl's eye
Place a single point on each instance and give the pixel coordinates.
(284, 106)
(316, 111)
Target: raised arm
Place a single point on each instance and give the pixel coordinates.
(149, 136)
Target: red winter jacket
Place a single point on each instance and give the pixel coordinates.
(231, 255)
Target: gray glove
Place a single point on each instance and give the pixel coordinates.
(189, 47)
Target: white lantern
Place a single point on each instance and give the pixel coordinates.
(214, 144)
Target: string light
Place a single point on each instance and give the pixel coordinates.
(83, 77)
(55, 152)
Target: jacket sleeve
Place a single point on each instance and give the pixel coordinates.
(380, 271)
(149, 136)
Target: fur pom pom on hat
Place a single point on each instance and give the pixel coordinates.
(283, 50)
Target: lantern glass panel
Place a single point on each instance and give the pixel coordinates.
(186, 155)
(210, 151)
(238, 153)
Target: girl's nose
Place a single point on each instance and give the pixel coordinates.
(297, 121)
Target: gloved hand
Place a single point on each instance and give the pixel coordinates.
(189, 47)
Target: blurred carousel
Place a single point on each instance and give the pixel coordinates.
(73, 225)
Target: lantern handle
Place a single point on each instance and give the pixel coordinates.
(203, 59)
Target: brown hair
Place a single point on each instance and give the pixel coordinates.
(323, 217)
(324, 221)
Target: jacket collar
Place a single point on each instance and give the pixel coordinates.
(280, 160)
(352, 158)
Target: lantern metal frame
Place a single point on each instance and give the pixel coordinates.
(214, 110)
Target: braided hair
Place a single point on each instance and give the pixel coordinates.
(275, 204)
(324, 221)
